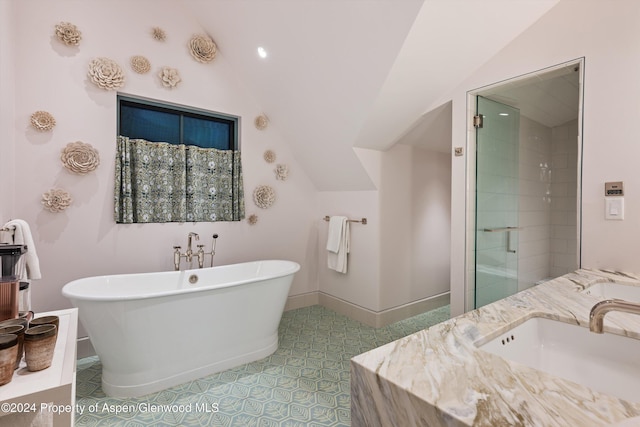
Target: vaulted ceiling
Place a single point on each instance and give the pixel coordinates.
(341, 74)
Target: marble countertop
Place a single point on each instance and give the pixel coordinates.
(438, 377)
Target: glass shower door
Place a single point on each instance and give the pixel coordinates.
(497, 194)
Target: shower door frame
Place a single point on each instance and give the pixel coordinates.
(470, 214)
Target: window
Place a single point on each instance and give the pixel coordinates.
(176, 164)
(159, 122)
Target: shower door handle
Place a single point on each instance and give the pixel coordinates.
(508, 231)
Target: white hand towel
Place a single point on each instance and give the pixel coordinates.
(336, 225)
(22, 236)
(338, 244)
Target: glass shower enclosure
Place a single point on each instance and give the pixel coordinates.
(497, 197)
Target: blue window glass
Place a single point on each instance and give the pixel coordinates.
(150, 124)
(207, 133)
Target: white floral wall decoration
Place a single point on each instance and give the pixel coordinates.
(252, 219)
(169, 77)
(269, 156)
(264, 196)
(106, 73)
(158, 34)
(42, 121)
(261, 122)
(202, 48)
(140, 64)
(79, 157)
(68, 33)
(282, 172)
(56, 200)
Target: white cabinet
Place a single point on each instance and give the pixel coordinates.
(48, 395)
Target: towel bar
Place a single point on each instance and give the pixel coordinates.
(363, 220)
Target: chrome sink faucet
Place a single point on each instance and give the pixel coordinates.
(596, 316)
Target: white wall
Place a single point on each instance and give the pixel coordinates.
(431, 223)
(415, 210)
(7, 111)
(84, 240)
(360, 286)
(402, 255)
(606, 34)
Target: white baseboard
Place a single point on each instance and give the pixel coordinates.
(303, 300)
(84, 349)
(376, 319)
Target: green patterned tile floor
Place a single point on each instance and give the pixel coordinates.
(305, 383)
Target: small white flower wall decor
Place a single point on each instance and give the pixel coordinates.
(140, 64)
(282, 172)
(158, 34)
(68, 33)
(269, 156)
(106, 73)
(264, 196)
(42, 121)
(56, 200)
(79, 157)
(261, 122)
(169, 77)
(202, 48)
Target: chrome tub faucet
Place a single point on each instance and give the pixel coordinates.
(188, 255)
(189, 252)
(598, 311)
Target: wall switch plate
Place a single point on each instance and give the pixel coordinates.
(614, 208)
(613, 189)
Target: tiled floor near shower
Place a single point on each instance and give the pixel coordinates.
(305, 383)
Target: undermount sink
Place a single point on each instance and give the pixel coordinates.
(606, 363)
(608, 290)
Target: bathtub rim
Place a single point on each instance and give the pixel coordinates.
(291, 267)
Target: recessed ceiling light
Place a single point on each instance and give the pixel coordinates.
(262, 53)
(503, 114)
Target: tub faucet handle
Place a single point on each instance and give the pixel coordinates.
(200, 254)
(176, 257)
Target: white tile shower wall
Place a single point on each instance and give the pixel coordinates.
(535, 209)
(564, 154)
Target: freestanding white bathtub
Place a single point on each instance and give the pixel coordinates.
(156, 330)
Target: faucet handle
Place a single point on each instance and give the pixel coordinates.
(177, 247)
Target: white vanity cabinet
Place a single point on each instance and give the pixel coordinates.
(45, 397)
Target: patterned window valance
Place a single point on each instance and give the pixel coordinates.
(161, 182)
